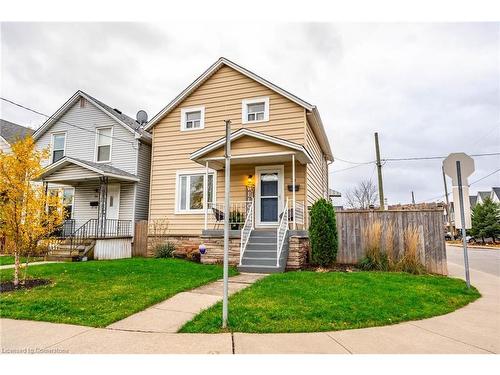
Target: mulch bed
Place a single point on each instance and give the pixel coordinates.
(8, 286)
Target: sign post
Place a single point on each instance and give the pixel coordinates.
(227, 182)
(459, 166)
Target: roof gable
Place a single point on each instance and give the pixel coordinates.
(122, 119)
(208, 73)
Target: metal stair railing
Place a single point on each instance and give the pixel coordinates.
(247, 229)
(281, 232)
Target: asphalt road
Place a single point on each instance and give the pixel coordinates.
(485, 260)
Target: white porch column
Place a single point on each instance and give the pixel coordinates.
(293, 191)
(205, 194)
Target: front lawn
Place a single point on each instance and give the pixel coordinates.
(9, 259)
(98, 293)
(309, 301)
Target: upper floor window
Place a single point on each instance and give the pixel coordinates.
(103, 144)
(192, 118)
(58, 146)
(255, 110)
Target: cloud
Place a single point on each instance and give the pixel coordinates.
(428, 89)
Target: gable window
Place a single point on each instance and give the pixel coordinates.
(190, 192)
(255, 110)
(58, 146)
(103, 144)
(192, 118)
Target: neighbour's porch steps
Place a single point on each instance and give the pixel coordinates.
(60, 250)
(260, 253)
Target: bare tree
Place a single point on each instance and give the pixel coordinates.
(363, 195)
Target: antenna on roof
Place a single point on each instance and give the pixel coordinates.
(141, 117)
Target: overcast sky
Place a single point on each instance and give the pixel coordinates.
(428, 89)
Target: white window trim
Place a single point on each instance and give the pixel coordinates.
(110, 145)
(52, 144)
(184, 111)
(60, 193)
(188, 211)
(244, 109)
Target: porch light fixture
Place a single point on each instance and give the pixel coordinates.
(250, 181)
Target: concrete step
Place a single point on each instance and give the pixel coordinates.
(260, 254)
(258, 261)
(60, 258)
(262, 239)
(260, 269)
(261, 246)
(263, 233)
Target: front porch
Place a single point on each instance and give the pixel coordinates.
(268, 194)
(98, 203)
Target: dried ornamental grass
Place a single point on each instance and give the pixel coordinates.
(410, 262)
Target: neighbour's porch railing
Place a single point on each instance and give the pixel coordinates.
(281, 232)
(238, 212)
(247, 229)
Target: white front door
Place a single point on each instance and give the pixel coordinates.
(269, 193)
(113, 201)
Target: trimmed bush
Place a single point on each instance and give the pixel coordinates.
(323, 233)
(165, 250)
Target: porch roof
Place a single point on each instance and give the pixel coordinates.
(73, 169)
(249, 146)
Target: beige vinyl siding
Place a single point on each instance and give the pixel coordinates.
(222, 96)
(249, 145)
(317, 177)
(143, 172)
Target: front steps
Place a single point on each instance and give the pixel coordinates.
(60, 250)
(260, 253)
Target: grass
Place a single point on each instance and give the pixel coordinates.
(9, 259)
(310, 301)
(98, 293)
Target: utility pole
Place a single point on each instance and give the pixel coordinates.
(227, 200)
(379, 170)
(412, 197)
(448, 213)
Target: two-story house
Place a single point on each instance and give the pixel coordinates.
(100, 165)
(279, 164)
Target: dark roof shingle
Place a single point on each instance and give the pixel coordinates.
(12, 132)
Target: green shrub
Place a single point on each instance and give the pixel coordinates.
(165, 250)
(323, 233)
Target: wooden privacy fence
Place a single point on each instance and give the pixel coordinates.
(429, 223)
(140, 248)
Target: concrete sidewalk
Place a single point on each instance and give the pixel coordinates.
(7, 266)
(472, 329)
(170, 315)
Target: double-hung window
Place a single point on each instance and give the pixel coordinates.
(190, 191)
(255, 110)
(58, 146)
(103, 144)
(192, 118)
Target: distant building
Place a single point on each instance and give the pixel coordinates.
(10, 133)
(335, 197)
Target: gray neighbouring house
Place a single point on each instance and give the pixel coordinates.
(100, 165)
(10, 133)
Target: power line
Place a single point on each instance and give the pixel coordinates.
(436, 157)
(482, 178)
(62, 121)
(352, 162)
(348, 168)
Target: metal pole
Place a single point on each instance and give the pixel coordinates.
(462, 217)
(293, 194)
(412, 197)
(205, 182)
(227, 182)
(379, 172)
(448, 211)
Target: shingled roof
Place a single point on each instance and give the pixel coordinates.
(12, 132)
